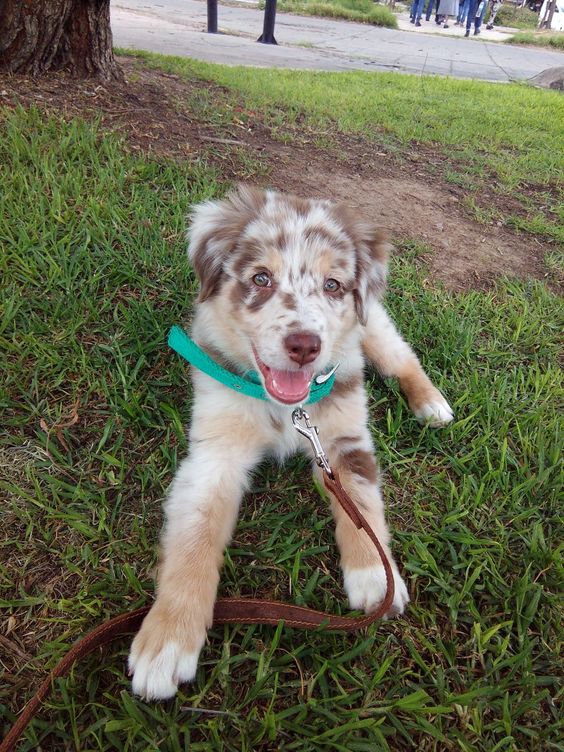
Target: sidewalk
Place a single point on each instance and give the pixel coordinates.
(497, 34)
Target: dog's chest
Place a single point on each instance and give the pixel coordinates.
(284, 439)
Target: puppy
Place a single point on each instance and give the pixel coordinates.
(288, 288)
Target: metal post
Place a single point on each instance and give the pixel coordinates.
(212, 16)
(267, 36)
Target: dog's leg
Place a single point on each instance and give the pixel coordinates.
(392, 356)
(343, 431)
(363, 572)
(201, 512)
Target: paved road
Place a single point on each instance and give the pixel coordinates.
(178, 27)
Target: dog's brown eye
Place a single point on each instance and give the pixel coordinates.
(331, 285)
(262, 279)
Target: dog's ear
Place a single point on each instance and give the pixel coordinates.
(372, 251)
(215, 230)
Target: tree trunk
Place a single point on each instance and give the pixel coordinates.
(37, 36)
(546, 22)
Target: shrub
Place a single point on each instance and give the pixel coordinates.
(520, 18)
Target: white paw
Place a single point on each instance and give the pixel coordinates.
(366, 589)
(435, 413)
(156, 677)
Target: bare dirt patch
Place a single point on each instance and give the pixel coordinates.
(175, 118)
(464, 252)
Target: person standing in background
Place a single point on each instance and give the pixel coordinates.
(462, 13)
(416, 11)
(495, 5)
(475, 15)
(447, 8)
(430, 5)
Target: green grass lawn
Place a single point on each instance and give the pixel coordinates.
(93, 274)
(539, 39)
(362, 11)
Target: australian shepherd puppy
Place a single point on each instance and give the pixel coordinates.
(288, 288)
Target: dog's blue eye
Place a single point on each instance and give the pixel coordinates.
(331, 285)
(262, 280)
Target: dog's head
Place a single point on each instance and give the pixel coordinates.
(284, 283)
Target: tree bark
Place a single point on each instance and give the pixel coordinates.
(38, 36)
(546, 21)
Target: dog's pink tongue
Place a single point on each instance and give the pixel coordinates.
(288, 386)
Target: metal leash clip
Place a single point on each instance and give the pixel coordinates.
(312, 434)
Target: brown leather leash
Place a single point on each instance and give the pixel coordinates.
(226, 611)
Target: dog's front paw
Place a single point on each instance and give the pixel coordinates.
(366, 589)
(435, 412)
(163, 655)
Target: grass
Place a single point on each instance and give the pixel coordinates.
(362, 11)
(93, 273)
(539, 39)
(516, 130)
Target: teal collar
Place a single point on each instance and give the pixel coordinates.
(249, 385)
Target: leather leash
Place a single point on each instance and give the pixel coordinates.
(226, 611)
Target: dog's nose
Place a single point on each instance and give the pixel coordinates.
(303, 347)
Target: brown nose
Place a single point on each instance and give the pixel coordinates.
(302, 348)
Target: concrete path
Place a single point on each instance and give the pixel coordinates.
(178, 27)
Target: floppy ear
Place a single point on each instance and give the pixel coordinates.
(215, 229)
(372, 250)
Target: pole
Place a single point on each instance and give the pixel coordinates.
(212, 16)
(267, 36)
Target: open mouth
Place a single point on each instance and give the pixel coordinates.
(289, 387)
